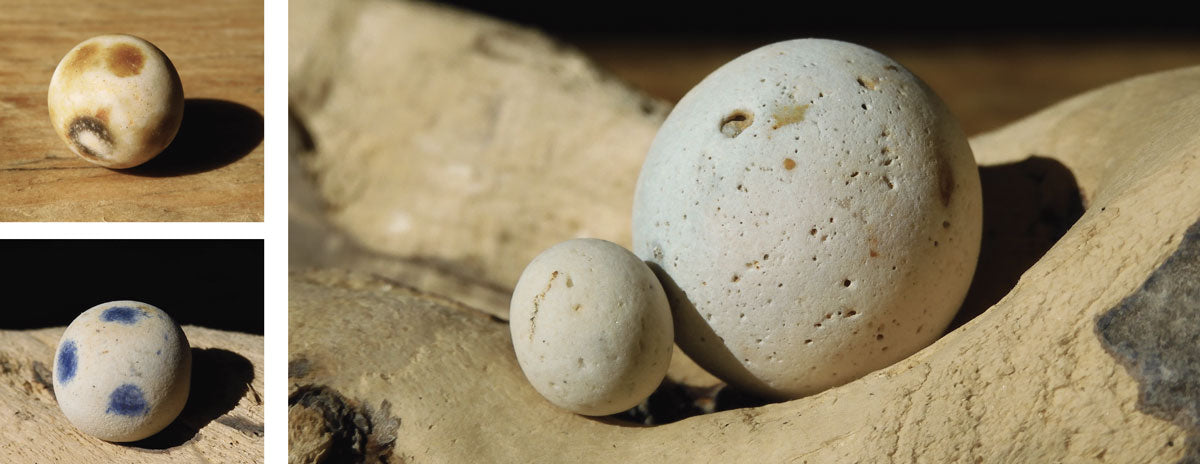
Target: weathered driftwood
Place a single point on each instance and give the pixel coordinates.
(222, 422)
(459, 141)
(403, 372)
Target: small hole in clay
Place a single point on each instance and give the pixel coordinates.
(846, 283)
(735, 123)
(879, 336)
(852, 313)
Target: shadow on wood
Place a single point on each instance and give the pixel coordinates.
(214, 133)
(220, 378)
(674, 401)
(1027, 206)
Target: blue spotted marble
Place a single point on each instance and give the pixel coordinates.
(67, 361)
(122, 314)
(127, 400)
(122, 371)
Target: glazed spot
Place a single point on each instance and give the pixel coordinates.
(90, 136)
(127, 400)
(122, 314)
(125, 60)
(866, 82)
(735, 123)
(81, 58)
(785, 115)
(789, 164)
(67, 361)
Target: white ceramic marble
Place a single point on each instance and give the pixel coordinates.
(116, 100)
(591, 327)
(816, 211)
(122, 371)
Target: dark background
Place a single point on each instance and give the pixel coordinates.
(992, 63)
(796, 19)
(211, 283)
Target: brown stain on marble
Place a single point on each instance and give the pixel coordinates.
(945, 177)
(102, 115)
(867, 83)
(83, 124)
(789, 164)
(82, 58)
(125, 60)
(790, 114)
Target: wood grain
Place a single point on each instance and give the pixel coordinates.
(222, 422)
(213, 171)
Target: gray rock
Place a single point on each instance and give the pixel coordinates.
(1155, 333)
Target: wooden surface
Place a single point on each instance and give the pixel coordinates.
(222, 422)
(213, 171)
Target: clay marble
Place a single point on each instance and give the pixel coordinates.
(815, 211)
(591, 327)
(122, 371)
(116, 100)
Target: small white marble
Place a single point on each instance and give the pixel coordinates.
(116, 100)
(122, 371)
(591, 327)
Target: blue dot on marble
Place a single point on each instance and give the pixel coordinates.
(66, 361)
(122, 314)
(127, 400)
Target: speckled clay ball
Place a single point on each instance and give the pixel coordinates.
(122, 371)
(591, 327)
(116, 100)
(816, 212)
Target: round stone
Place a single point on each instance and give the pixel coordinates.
(116, 100)
(816, 213)
(591, 327)
(122, 371)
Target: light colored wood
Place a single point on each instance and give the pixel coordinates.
(226, 415)
(217, 47)
(1026, 381)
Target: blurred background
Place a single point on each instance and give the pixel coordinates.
(992, 65)
(211, 283)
